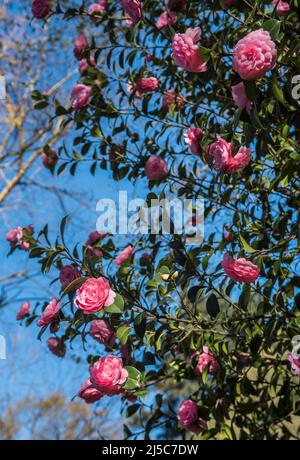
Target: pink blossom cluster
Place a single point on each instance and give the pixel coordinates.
(89, 393)
(40, 8)
(57, 346)
(294, 361)
(254, 55)
(80, 46)
(192, 138)
(80, 96)
(240, 270)
(24, 311)
(133, 11)
(50, 313)
(102, 332)
(240, 97)
(97, 9)
(186, 52)
(94, 294)
(167, 18)
(143, 86)
(126, 254)
(156, 168)
(94, 238)
(17, 237)
(282, 8)
(206, 360)
(108, 375)
(85, 63)
(188, 417)
(221, 156)
(50, 158)
(172, 98)
(68, 274)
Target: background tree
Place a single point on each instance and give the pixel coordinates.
(228, 133)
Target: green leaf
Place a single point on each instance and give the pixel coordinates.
(122, 333)
(134, 378)
(273, 27)
(212, 306)
(246, 246)
(250, 88)
(119, 302)
(131, 410)
(277, 91)
(192, 293)
(133, 373)
(113, 309)
(63, 227)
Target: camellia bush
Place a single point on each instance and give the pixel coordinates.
(198, 100)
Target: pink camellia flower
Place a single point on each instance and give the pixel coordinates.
(94, 252)
(89, 393)
(240, 97)
(133, 11)
(240, 270)
(84, 64)
(167, 18)
(50, 313)
(102, 332)
(254, 55)
(146, 85)
(96, 236)
(142, 86)
(186, 53)
(24, 311)
(124, 255)
(156, 168)
(17, 237)
(97, 9)
(40, 8)
(50, 159)
(177, 5)
(294, 360)
(220, 153)
(207, 359)
(80, 96)
(188, 417)
(81, 44)
(229, 3)
(56, 346)
(192, 138)
(94, 294)
(170, 97)
(228, 236)
(68, 273)
(282, 8)
(108, 375)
